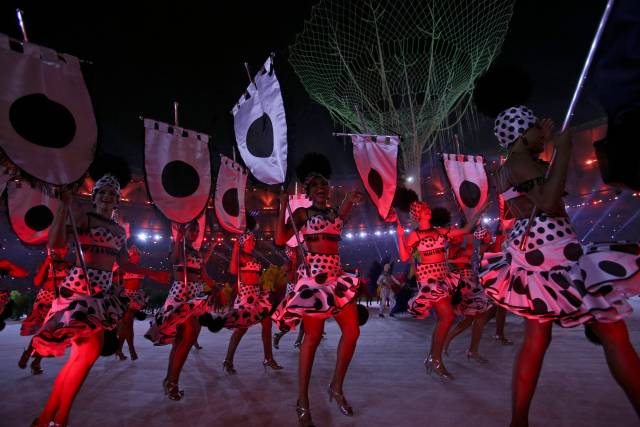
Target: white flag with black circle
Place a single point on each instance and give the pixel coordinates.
(261, 127)
(31, 212)
(229, 198)
(296, 201)
(468, 179)
(47, 125)
(178, 170)
(376, 159)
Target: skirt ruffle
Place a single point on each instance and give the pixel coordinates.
(558, 278)
(41, 306)
(182, 303)
(435, 282)
(76, 314)
(473, 299)
(251, 306)
(323, 292)
(137, 298)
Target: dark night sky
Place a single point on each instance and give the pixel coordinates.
(147, 57)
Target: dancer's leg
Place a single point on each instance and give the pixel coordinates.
(181, 346)
(313, 334)
(445, 318)
(462, 326)
(347, 319)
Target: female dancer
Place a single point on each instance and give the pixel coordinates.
(185, 306)
(251, 305)
(323, 290)
(474, 304)
(290, 271)
(555, 278)
(437, 284)
(7, 268)
(132, 284)
(50, 275)
(86, 305)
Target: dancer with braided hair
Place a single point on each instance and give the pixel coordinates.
(252, 304)
(323, 290)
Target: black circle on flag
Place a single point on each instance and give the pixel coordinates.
(230, 202)
(180, 179)
(260, 137)
(470, 194)
(38, 217)
(375, 182)
(42, 121)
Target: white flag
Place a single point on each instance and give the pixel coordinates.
(229, 199)
(468, 180)
(31, 212)
(261, 127)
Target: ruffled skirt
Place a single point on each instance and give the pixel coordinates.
(435, 282)
(183, 302)
(473, 299)
(558, 278)
(251, 306)
(39, 311)
(321, 292)
(76, 314)
(137, 298)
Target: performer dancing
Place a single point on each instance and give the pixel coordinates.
(50, 275)
(323, 290)
(251, 305)
(132, 290)
(436, 283)
(185, 307)
(291, 272)
(385, 282)
(7, 268)
(86, 305)
(555, 278)
(473, 303)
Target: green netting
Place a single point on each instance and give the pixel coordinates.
(398, 66)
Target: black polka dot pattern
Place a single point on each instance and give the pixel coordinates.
(251, 306)
(435, 282)
(77, 314)
(321, 292)
(137, 298)
(473, 300)
(561, 279)
(512, 123)
(41, 306)
(185, 300)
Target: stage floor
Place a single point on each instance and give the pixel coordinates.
(386, 384)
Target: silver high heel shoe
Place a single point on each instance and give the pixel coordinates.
(271, 363)
(227, 366)
(304, 416)
(343, 405)
(437, 367)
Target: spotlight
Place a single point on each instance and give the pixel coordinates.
(349, 235)
(486, 220)
(377, 233)
(363, 234)
(409, 179)
(157, 237)
(392, 231)
(142, 237)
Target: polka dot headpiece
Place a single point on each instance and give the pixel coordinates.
(247, 235)
(481, 233)
(416, 208)
(107, 180)
(512, 123)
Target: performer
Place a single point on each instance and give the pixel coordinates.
(185, 307)
(385, 282)
(86, 305)
(323, 290)
(50, 275)
(473, 303)
(290, 271)
(7, 268)
(436, 283)
(555, 278)
(500, 313)
(132, 290)
(252, 304)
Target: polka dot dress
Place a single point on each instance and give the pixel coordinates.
(183, 302)
(473, 299)
(75, 313)
(558, 278)
(251, 306)
(41, 306)
(435, 282)
(321, 292)
(137, 298)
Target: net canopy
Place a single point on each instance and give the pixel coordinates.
(398, 66)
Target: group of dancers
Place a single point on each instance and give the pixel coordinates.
(554, 279)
